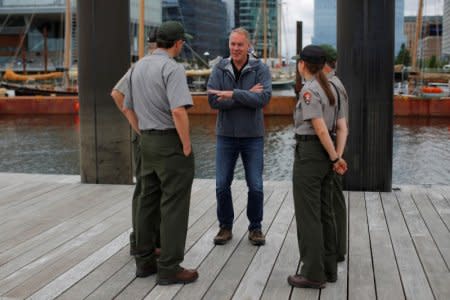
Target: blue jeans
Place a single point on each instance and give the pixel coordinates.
(252, 154)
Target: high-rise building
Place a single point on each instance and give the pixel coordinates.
(252, 15)
(430, 38)
(399, 22)
(446, 29)
(325, 23)
(206, 20)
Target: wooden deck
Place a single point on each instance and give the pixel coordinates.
(66, 240)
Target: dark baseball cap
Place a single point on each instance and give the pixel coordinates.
(312, 54)
(330, 53)
(171, 31)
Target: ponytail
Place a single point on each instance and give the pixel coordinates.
(316, 70)
(323, 81)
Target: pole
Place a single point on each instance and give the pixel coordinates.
(265, 31)
(365, 36)
(141, 27)
(45, 49)
(105, 151)
(417, 36)
(67, 42)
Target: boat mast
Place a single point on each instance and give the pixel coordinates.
(67, 42)
(265, 31)
(279, 39)
(141, 27)
(418, 32)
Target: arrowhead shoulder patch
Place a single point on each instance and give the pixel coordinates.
(307, 97)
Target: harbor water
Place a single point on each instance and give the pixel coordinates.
(50, 144)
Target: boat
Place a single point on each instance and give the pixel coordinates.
(62, 83)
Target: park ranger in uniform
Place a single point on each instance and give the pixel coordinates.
(157, 109)
(315, 161)
(120, 90)
(340, 209)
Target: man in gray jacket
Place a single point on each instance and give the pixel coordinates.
(239, 88)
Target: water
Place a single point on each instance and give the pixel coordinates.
(49, 144)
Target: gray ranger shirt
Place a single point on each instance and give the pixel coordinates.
(313, 103)
(158, 85)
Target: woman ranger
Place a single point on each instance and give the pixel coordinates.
(316, 115)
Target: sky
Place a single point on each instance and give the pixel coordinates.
(303, 10)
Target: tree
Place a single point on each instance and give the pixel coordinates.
(433, 63)
(403, 57)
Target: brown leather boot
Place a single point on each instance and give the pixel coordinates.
(302, 282)
(184, 276)
(223, 236)
(256, 237)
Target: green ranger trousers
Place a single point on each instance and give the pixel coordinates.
(340, 213)
(313, 202)
(137, 190)
(167, 176)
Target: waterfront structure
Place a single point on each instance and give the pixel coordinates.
(430, 38)
(25, 23)
(253, 16)
(446, 30)
(205, 20)
(325, 23)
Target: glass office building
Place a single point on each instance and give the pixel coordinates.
(250, 15)
(325, 23)
(206, 20)
(446, 30)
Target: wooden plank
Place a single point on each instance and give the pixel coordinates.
(64, 281)
(234, 269)
(43, 218)
(254, 281)
(338, 289)
(200, 249)
(435, 224)
(430, 257)
(37, 274)
(387, 277)
(25, 253)
(97, 277)
(361, 283)
(116, 283)
(216, 258)
(22, 225)
(137, 287)
(24, 204)
(285, 265)
(440, 205)
(413, 277)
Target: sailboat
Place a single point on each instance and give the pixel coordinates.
(48, 83)
(282, 77)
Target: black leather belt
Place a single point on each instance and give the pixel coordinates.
(159, 131)
(305, 138)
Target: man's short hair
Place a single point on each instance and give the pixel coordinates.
(241, 30)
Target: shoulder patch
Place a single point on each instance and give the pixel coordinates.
(307, 97)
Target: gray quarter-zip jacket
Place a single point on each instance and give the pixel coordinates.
(241, 116)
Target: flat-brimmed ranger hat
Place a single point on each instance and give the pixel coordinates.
(313, 54)
(171, 31)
